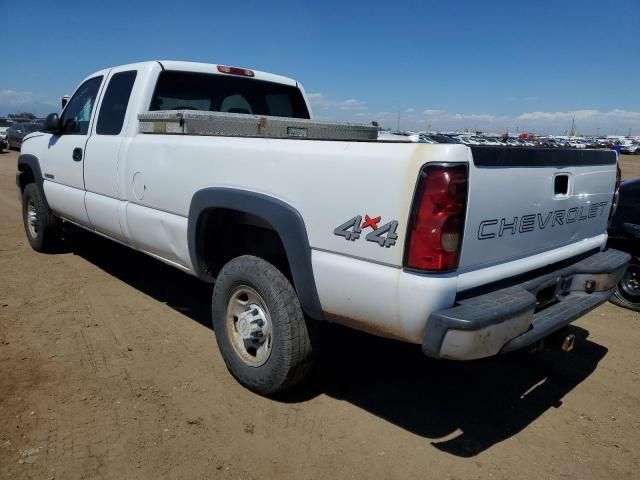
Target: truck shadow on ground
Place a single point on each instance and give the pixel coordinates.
(463, 408)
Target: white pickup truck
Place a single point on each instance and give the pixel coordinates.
(466, 251)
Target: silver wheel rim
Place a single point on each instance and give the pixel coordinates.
(249, 326)
(32, 219)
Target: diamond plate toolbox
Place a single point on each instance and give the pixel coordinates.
(187, 122)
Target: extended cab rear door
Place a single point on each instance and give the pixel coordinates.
(103, 150)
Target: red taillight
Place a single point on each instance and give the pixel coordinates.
(236, 71)
(437, 221)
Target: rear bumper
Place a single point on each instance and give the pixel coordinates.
(519, 315)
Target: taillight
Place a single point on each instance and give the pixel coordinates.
(616, 191)
(437, 219)
(236, 71)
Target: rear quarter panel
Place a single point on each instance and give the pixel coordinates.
(327, 182)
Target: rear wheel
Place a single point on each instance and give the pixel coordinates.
(41, 227)
(260, 327)
(627, 292)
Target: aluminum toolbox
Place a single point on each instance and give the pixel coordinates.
(189, 122)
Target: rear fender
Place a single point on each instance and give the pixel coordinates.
(285, 220)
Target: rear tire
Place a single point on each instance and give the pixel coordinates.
(40, 226)
(627, 292)
(260, 327)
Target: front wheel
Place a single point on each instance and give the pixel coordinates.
(260, 327)
(627, 292)
(41, 227)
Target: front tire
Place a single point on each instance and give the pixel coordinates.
(41, 227)
(260, 327)
(627, 292)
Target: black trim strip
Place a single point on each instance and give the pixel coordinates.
(285, 220)
(540, 157)
(30, 162)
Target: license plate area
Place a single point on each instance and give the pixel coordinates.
(548, 293)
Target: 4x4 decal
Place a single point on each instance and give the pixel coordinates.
(384, 236)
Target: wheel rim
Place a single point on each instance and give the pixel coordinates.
(32, 219)
(249, 326)
(630, 283)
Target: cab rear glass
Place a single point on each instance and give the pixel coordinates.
(177, 90)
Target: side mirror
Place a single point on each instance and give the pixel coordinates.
(52, 123)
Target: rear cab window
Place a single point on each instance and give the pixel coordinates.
(177, 90)
(114, 104)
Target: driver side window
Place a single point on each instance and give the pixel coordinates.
(75, 118)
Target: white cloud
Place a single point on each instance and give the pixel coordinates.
(587, 120)
(557, 116)
(12, 101)
(13, 97)
(319, 101)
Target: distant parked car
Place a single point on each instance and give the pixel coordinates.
(624, 234)
(494, 141)
(399, 137)
(4, 124)
(631, 149)
(17, 131)
(442, 138)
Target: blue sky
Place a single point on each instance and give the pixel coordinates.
(445, 65)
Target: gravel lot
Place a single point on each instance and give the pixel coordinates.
(108, 369)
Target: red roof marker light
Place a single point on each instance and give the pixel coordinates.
(245, 72)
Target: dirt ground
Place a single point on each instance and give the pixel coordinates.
(109, 370)
(630, 166)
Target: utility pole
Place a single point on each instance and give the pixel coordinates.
(398, 120)
(598, 132)
(573, 127)
(629, 133)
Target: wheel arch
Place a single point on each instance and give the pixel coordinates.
(29, 172)
(286, 222)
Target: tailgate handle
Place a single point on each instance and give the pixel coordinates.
(561, 185)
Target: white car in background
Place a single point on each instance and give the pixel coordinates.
(467, 140)
(399, 137)
(513, 142)
(4, 144)
(573, 143)
(631, 149)
(494, 142)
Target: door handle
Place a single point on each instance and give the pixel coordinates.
(77, 154)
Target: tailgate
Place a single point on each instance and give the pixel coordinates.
(524, 201)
